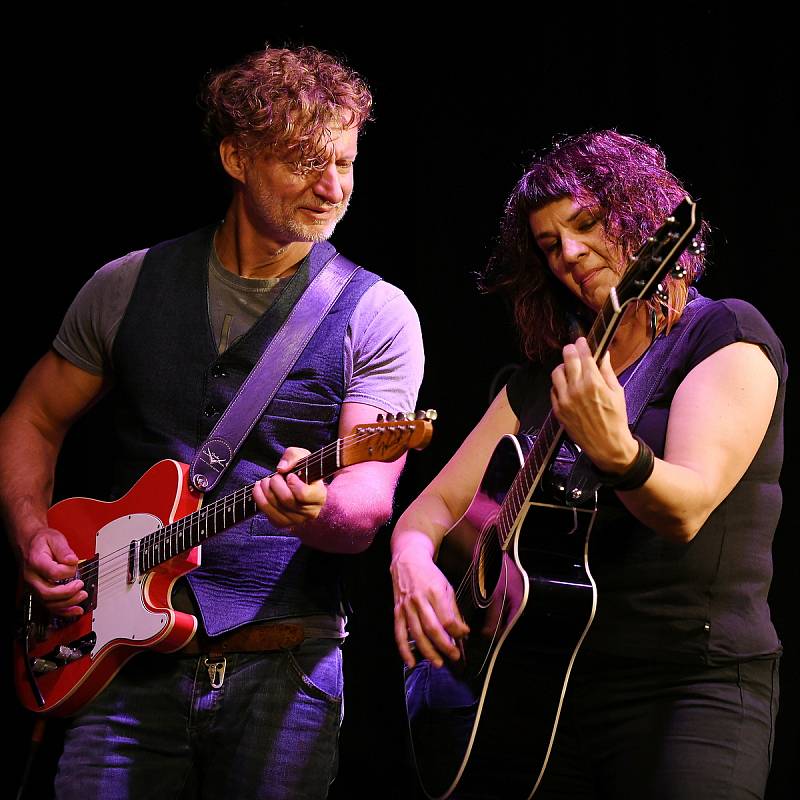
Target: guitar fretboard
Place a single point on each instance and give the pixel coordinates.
(649, 266)
(216, 517)
(548, 438)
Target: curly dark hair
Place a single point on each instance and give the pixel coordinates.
(627, 180)
(287, 100)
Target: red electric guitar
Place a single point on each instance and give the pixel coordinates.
(133, 550)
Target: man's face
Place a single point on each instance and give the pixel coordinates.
(288, 206)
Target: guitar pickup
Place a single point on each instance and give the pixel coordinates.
(132, 562)
(88, 573)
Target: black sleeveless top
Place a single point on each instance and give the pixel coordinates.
(704, 601)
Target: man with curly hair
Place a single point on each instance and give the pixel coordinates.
(251, 708)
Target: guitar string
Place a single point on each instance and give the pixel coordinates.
(112, 571)
(507, 513)
(600, 328)
(224, 505)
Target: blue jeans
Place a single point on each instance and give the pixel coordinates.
(160, 730)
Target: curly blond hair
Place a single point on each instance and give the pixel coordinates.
(287, 100)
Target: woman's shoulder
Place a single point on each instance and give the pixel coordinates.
(714, 324)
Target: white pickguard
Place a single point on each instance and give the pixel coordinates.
(120, 611)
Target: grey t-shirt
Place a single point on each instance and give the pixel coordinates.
(383, 356)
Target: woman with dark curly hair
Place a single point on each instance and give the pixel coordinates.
(673, 691)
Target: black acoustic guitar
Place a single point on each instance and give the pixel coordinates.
(483, 727)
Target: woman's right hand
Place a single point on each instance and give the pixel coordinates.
(425, 609)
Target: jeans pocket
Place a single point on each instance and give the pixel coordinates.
(317, 668)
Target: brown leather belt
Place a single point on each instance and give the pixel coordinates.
(260, 637)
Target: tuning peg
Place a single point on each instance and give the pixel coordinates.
(380, 418)
(390, 417)
(678, 272)
(429, 415)
(698, 248)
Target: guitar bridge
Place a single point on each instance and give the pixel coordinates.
(64, 654)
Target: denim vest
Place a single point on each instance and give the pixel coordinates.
(171, 386)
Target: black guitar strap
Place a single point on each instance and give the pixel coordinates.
(647, 377)
(639, 388)
(260, 386)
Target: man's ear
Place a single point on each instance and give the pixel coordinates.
(233, 156)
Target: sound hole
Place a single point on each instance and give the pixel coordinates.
(488, 563)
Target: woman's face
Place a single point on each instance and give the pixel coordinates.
(578, 252)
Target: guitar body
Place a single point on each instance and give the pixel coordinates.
(483, 727)
(122, 617)
(133, 550)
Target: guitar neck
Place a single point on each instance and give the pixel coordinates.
(549, 435)
(384, 440)
(641, 279)
(219, 515)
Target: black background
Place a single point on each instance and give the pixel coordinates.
(104, 155)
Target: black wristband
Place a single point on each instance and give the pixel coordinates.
(637, 473)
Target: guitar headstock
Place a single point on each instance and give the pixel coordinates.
(388, 437)
(658, 256)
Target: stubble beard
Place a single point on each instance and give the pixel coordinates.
(314, 231)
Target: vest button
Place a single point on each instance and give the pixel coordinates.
(218, 371)
(211, 410)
